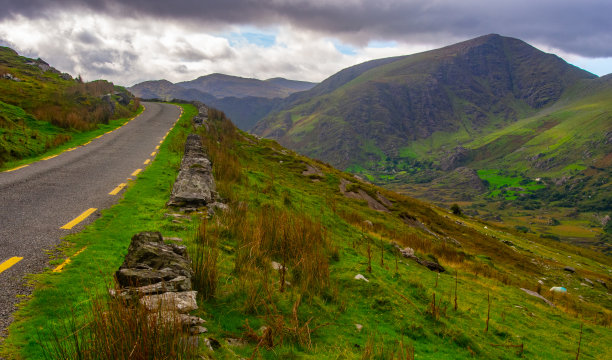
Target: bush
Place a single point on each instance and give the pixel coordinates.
(456, 209)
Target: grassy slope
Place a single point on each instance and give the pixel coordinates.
(262, 176)
(31, 140)
(44, 110)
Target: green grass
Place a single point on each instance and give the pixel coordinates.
(27, 139)
(58, 295)
(269, 193)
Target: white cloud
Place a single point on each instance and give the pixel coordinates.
(130, 50)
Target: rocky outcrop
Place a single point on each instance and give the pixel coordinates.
(409, 254)
(455, 158)
(195, 185)
(159, 276)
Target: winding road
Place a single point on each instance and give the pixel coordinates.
(44, 201)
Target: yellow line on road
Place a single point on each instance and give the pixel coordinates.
(117, 189)
(147, 161)
(136, 172)
(79, 218)
(153, 153)
(17, 168)
(49, 157)
(157, 147)
(10, 262)
(70, 149)
(162, 140)
(87, 143)
(61, 266)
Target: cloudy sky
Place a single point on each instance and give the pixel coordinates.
(130, 41)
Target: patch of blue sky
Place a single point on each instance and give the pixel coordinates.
(344, 49)
(251, 37)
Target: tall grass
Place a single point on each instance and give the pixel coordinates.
(204, 262)
(118, 329)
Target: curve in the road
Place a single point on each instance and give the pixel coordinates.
(44, 201)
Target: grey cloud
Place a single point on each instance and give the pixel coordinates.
(580, 27)
(87, 37)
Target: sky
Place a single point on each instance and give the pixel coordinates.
(130, 41)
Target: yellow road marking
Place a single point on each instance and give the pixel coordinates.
(61, 266)
(70, 149)
(136, 172)
(147, 161)
(157, 147)
(161, 141)
(17, 168)
(49, 157)
(79, 218)
(87, 143)
(117, 189)
(10, 262)
(99, 136)
(153, 153)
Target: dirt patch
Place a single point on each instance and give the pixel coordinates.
(362, 195)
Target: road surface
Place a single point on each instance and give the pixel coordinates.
(46, 200)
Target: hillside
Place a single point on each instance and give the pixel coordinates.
(41, 108)
(481, 84)
(246, 101)
(311, 262)
(477, 123)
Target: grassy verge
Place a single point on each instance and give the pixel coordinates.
(60, 296)
(42, 135)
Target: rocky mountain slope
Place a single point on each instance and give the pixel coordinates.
(484, 83)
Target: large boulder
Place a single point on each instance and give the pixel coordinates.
(150, 261)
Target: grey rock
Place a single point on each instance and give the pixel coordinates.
(212, 344)
(195, 330)
(569, 269)
(181, 302)
(150, 261)
(533, 293)
(603, 283)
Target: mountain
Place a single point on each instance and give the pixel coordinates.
(42, 108)
(484, 83)
(491, 122)
(221, 85)
(246, 101)
(291, 84)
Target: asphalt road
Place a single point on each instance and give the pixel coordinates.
(38, 200)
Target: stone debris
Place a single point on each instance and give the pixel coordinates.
(212, 344)
(569, 269)
(409, 254)
(235, 342)
(359, 327)
(194, 185)
(533, 293)
(159, 275)
(361, 277)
